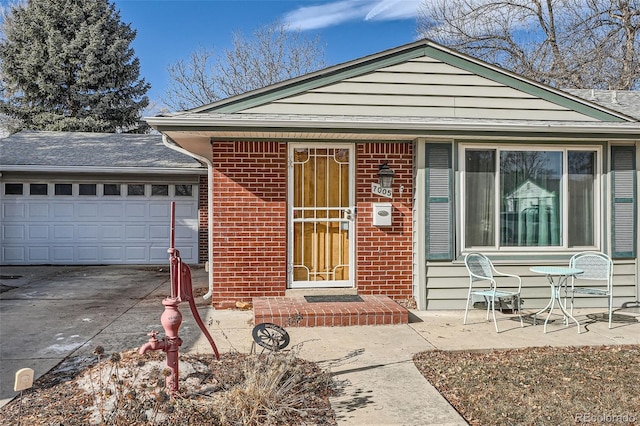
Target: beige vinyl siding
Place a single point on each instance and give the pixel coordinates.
(447, 286)
(421, 87)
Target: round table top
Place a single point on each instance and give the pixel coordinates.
(555, 270)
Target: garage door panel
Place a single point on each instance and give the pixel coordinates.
(186, 253)
(39, 232)
(136, 254)
(135, 210)
(13, 232)
(160, 210)
(63, 254)
(135, 232)
(88, 232)
(111, 210)
(96, 229)
(14, 254)
(39, 254)
(63, 232)
(158, 254)
(38, 210)
(87, 211)
(11, 211)
(113, 254)
(183, 232)
(159, 232)
(186, 210)
(112, 232)
(63, 211)
(88, 254)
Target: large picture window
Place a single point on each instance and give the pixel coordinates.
(530, 197)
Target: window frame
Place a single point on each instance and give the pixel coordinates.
(559, 146)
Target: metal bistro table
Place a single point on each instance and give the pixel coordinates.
(562, 274)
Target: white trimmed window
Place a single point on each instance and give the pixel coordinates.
(534, 197)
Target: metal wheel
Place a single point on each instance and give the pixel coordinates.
(270, 336)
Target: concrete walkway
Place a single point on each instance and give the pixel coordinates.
(50, 313)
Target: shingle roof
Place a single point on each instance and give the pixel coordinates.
(624, 101)
(76, 149)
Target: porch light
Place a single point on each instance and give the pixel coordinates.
(385, 175)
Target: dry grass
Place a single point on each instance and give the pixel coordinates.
(539, 386)
(129, 389)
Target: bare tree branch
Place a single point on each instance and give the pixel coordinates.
(564, 43)
(274, 53)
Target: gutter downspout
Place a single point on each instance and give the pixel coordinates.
(169, 143)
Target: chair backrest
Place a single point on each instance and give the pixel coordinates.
(479, 266)
(596, 266)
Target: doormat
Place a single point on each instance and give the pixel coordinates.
(334, 298)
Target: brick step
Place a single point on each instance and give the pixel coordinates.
(297, 311)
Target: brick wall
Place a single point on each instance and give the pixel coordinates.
(249, 221)
(384, 253)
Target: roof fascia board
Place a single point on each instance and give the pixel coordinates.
(99, 170)
(520, 130)
(296, 86)
(513, 80)
(554, 136)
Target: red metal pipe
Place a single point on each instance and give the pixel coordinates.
(171, 318)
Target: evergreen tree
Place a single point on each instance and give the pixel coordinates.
(67, 65)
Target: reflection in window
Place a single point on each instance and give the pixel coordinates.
(38, 189)
(135, 189)
(524, 189)
(13, 189)
(87, 189)
(184, 191)
(160, 190)
(111, 189)
(63, 189)
(530, 198)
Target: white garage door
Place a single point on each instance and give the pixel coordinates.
(96, 223)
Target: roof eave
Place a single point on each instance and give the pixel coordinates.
(203, 123)
(102, 170)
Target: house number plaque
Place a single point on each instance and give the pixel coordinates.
(384, 192)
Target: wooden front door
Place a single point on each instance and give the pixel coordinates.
(321, 215)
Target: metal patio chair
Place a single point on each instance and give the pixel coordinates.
(597, 267)
(482, 270)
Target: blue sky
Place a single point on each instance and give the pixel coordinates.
(169, 30)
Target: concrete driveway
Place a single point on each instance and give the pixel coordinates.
(49, 313)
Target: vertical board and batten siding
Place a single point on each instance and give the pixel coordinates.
(624, 204)
(417, 88)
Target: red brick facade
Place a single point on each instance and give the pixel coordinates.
(250, 222)
(384, 258)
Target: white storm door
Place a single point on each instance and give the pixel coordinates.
(321, 239)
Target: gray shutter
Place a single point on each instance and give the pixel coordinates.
(624, 209)
(439, 206)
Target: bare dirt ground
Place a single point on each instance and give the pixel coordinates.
(539, 386)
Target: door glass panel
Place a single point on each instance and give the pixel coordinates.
(321, 222)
